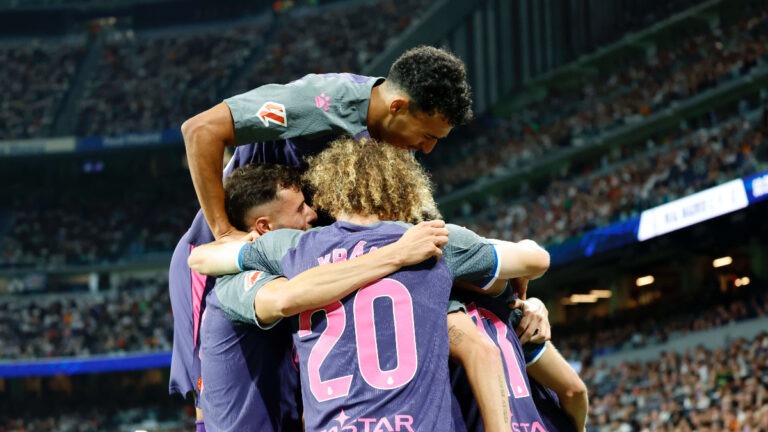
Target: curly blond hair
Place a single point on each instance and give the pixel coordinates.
(369, 178)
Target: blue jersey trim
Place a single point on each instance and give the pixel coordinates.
(240, 257)
(535, 355)
(496, 269)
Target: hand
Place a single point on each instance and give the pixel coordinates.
(534, 327)
(422, 241)
(251, 236)
(232, 235)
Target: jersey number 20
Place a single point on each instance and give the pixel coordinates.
(365, 332)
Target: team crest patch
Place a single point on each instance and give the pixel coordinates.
(251, 278)
(273, 112)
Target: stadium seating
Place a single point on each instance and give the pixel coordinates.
(135, 316)
(614, 98)
(621, 185)
(37, 75)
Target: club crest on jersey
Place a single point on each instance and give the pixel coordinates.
(251, 278)
(273, 112)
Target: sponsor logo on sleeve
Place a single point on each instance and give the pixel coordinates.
(273, 112)
(251, 278)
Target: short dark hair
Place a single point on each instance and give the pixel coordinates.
(253, 185)
(436, 82)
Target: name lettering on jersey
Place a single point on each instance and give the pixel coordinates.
(251, 278)
(339, 255)
(392, 423)
(273, 112)
(528, 427)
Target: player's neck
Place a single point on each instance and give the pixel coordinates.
(375, 115)
(358, 219)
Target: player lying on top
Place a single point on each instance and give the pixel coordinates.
(370, 359)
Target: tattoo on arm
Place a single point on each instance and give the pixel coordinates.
(455, 336)
(502, 380)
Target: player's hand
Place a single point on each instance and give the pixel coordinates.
(251, 236)
(232, 235)
(534, 327)
(422, 241)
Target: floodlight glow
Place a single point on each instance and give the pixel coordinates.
(601, 294)
(583, 298)
(722, 262)
(645, 280)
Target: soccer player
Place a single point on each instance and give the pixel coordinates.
(248, 382)
(424, 95)
(383, 382)
(563, 410)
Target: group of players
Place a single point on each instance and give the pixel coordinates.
(369, 347)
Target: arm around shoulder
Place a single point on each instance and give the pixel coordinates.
(522, 259)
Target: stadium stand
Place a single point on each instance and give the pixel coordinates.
(37, 75)
(615, 97)
(620, 186)
(133, 317)
(700, 390)
(152, 79)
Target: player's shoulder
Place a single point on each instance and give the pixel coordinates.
(339, 79)
(282, 236)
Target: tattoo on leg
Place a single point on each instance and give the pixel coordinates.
(455, 336)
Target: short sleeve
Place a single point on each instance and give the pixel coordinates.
(312, 106)
(470, 257)
(237, 292)
(266, 253)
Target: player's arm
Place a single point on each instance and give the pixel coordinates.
(553, 371)
(217, 258)
(524, 259)
(481, 360)
(483, 262)
(268, 299)
(324, 284)
(205, 137)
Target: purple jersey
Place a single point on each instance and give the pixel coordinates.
(369, 361)
(525, 415)
(249, 380)
(278, 124)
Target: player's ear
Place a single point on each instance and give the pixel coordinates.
(261, 225)
(398, 104)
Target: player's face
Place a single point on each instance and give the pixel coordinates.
(416, 130)
(293, 211)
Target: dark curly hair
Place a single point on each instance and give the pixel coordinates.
(436, 82)
(253, 185)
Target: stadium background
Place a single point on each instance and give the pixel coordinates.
(627, 136)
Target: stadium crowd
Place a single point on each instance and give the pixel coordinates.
(133, 317)
(52, 233)
(154, 82)
(622, 95)
(724, 389)
(620, 185)
(37, 75)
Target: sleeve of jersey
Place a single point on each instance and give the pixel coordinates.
(237, 292)
(282, 111)
(266, 253)
(470, 257)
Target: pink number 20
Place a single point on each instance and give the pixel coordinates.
(365, 338)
